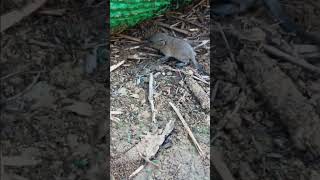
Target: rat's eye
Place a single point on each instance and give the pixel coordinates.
(162, 42)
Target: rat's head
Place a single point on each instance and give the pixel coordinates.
(157, 40)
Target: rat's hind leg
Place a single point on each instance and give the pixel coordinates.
(164, 59)
(181, 64)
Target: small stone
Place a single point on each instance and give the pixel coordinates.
(122, 91)
(135, 96)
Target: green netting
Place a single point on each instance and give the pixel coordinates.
(127, 13)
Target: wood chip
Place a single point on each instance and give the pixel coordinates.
(199, 93)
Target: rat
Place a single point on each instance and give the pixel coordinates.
(174, 47)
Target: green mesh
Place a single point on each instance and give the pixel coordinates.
(127, 13)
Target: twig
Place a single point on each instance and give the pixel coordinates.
(151, 98)
(130, 38)
(226, 42)
(113, 67)
(136, 171)
(194, 7)
(202, 44)
(35, 80)
(196, 24)
(200, 79)
(15, 16)
(173, 28)
(185, 125)
(295, 60)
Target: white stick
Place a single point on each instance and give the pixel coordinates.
(151, 98)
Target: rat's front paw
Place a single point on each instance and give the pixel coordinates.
(164, 59)
(181, 64)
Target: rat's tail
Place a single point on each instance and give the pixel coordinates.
(195, 63)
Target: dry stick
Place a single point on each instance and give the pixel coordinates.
(202, 44)
(113, 67)
(185, 125)
(15, 16)
(196, 24)
(151, 98)
(173, 28)
(130, 37)
(194, 7)
(295, 60)
(202, 80)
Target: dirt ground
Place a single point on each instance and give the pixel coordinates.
(131, 115)
(50, 105)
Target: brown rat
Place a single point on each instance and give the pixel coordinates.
(174, 47)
